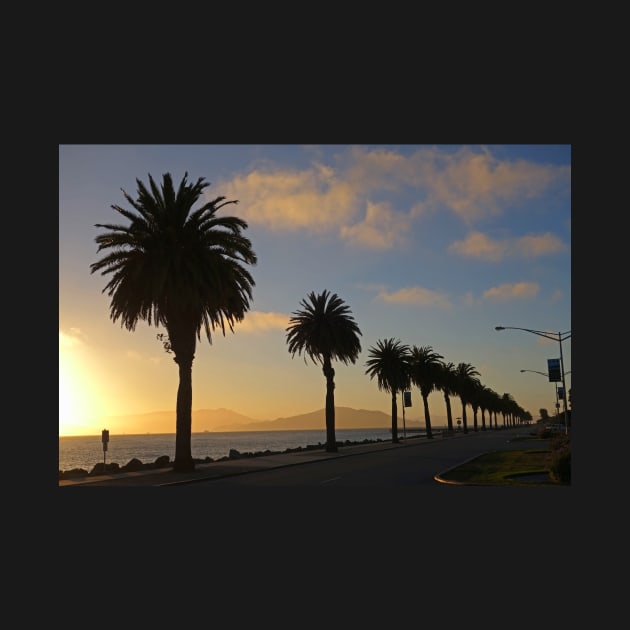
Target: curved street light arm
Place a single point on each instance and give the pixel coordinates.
(559, 337)
(535, 372)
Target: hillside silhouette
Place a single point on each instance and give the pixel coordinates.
(229, 420)
(345, 418)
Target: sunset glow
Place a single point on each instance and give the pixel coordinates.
(79, 399)
(72, 408)
(433, 245)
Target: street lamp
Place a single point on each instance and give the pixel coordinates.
(559, 337)
(556, 384)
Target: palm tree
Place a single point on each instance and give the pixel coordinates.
(325, 330)
(465, 375)
(507, 406)
(424, 364)
(447, 383)
(487, 403)
(475, 400)
(180, 268)
(511, 410)
(496, 405)
(389, 362)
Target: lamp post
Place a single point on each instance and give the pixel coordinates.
(556, 384)
(559, 337)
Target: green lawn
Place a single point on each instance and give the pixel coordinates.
(503, 468)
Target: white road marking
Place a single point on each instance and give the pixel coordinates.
(329, 480)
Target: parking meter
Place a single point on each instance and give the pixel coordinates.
(105, 440)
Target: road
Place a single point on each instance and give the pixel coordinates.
(414, 464)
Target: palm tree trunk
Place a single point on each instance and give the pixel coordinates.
(427, 415)
(394, 419)
(449, 413)
(464, 416)
(183, 446)
(329, 373)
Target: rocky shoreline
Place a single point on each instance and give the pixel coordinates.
(164, 461)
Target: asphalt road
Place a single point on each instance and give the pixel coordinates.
(415, 463)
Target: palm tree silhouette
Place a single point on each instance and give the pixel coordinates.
(486, 402)
(446, 381)
(179, 268)
(389, 362)
(476, 393)
(424, 364)
(508, 407)
(324, 331)
(466, 379)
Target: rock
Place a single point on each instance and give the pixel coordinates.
(133, 465)
(105, 469)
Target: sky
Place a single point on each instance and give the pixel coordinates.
(432, 245)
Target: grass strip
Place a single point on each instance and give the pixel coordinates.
(503, 468)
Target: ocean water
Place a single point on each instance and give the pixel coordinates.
(87, 451)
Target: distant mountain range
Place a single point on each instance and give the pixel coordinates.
(228, 420)
(345, 418)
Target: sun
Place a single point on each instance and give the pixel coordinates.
(75, 404)
(70, 403)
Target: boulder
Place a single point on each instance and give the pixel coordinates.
(132, 465)
(105, 469)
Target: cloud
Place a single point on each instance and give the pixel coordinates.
(472, 183)
(382, 228)
(291, 200)
(478, 245)
(257, 321)
(416, 295)
(481, 246)
(72, 339)
(376, 170)
(477, 185)
(322, 197)
(540, 245)
(518, 290)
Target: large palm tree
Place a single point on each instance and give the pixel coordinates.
(447, 383)
(389, 362)
(180, 268)
(465, 375)
(424, 365)
(324, 331)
